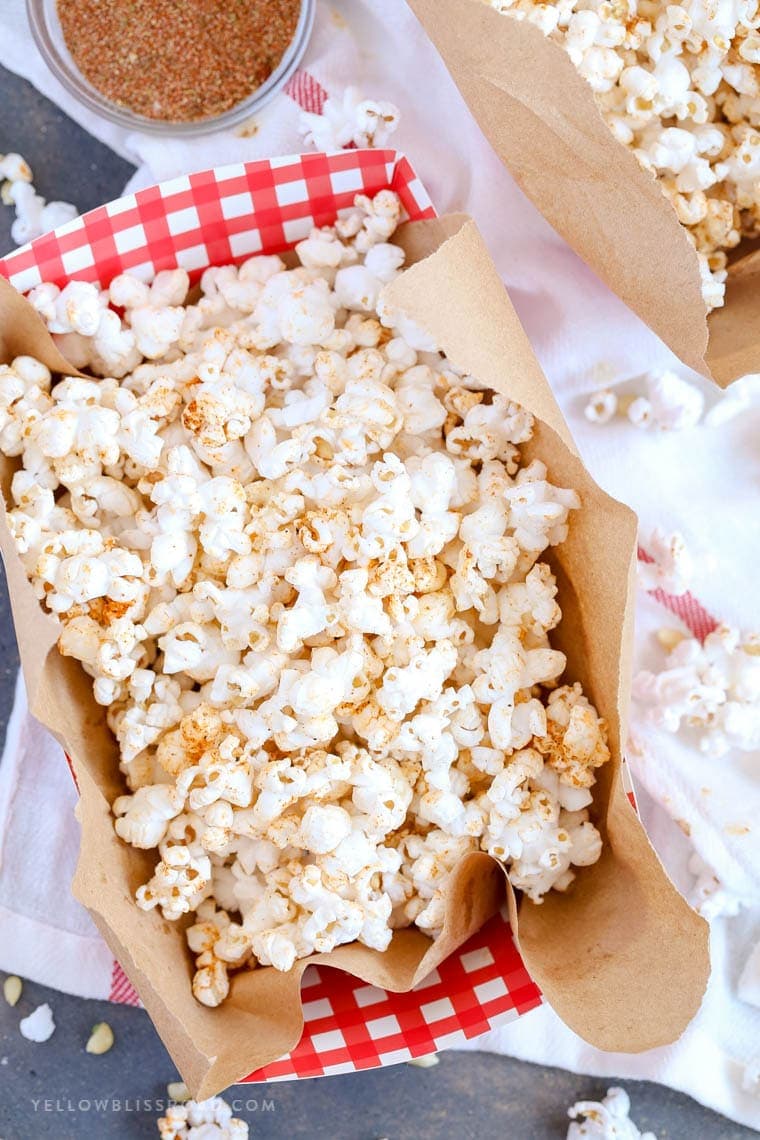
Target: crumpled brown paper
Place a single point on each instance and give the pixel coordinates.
(541, 118)
(621, 957)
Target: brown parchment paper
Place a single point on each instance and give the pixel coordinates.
(541, 118)
(622, 957)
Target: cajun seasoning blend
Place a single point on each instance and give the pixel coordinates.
(177, 60)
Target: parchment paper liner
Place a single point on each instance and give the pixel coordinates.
(621, 957)
(541, 118)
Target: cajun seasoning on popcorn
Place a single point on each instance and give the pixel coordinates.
(299, 553)
(178, 61)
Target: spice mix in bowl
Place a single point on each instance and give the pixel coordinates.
(167, 64)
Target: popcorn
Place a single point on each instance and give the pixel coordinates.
(201, 1120)
(601, 407)
(349, 121)
(677, 85)
(671, 566)
(142, 818)
(607, 1119)
(299, 555)
(708, 895)
(675, 404)
(38, 1025)
(710, 689)
(34, 216)
(77, 308)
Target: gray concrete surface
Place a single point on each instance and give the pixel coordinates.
(53, 1089)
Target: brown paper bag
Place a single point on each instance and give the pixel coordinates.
(541, 118)
(621, 957)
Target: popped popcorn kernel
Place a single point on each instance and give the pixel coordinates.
(38, 1026)
(671, 566)
(601, 406)
(607, 1119)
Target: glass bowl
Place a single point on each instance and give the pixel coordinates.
(46, 29)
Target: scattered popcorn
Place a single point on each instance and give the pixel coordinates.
(12, 987)
(350, 120)
(607, 1119)
(640, 412)
(34, 216)
(675, 403)
(711, 689)
(101, 1039)
(201, 1120)
(677, 84)
(429, 1061)
(708, 895)
(671, 566)
(39, 1025)
(668, 403)
(601, 407)
(299, 555)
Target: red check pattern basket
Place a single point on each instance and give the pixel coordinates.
(214, 218)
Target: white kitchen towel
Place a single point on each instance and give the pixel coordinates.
(584, 337)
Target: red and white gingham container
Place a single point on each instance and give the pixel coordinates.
(215, 218)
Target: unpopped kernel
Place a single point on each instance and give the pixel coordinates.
(299, 553)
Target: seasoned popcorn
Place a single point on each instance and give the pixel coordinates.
(678, 84)
(300, 559)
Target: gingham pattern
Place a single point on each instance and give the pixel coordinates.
(350, 1025)
(214, 218)
(685, 606)
(307, 92)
